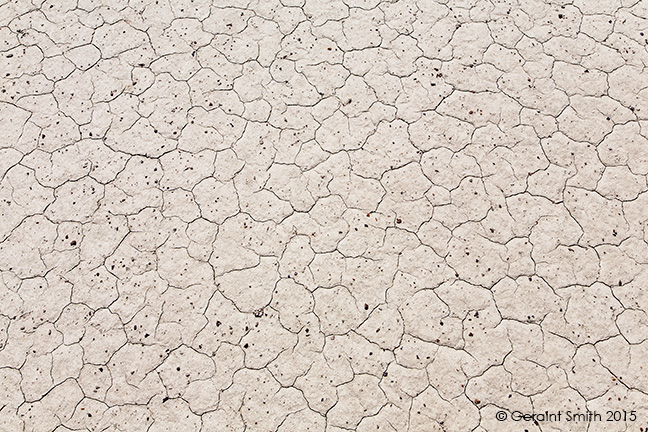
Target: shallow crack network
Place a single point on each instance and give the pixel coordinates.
(309, 215)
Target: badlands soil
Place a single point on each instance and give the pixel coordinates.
(323, 215)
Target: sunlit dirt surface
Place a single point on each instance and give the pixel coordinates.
(323, 215)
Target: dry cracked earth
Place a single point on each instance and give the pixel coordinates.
(323, 215)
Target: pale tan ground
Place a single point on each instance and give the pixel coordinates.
(323, 215)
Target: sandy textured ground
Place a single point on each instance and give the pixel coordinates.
(323, 215)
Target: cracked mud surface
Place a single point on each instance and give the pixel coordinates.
(309, 215)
